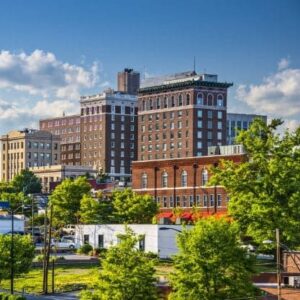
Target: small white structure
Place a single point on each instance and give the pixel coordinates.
(159, 239)
(5, 223)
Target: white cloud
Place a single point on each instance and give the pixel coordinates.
(283, 64)
(277, 96)
(41, 73)
(41, 86)
(16, 116)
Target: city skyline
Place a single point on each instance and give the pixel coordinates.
(52, 52)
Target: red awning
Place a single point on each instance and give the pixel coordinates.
(187, 216)
(165, 215)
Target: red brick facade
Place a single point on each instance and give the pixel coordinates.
(182, 183)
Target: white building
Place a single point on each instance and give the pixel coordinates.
(5, 223)
(159, 239)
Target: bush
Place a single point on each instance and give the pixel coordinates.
(4, 296)
(85, 249)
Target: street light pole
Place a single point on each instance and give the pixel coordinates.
(12, 254)
(278, 265)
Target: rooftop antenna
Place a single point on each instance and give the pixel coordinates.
(194, 64)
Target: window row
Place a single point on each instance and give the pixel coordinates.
(182, 100)
(207, 200)
(183, 179)
(165, 135)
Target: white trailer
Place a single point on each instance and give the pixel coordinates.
(159, 239)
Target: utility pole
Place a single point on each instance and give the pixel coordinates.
(12, 254)
(278, 265)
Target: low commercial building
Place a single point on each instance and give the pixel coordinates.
(21, 149)
(57, 173)
(181, 184)
(158, 239)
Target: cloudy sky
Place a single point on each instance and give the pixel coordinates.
(53, 51)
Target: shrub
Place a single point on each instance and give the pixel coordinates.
(85, 249)
(5, 296)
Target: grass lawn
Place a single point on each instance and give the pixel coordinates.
(67, 278)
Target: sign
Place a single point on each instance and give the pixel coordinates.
(4, 204)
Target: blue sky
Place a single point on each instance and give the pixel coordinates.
(53, 51)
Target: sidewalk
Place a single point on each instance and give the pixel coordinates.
(62, 296)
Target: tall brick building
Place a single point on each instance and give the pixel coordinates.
(109, 132)
(181, 116)
(68, 128)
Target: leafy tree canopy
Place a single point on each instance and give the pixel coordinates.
(66, 200)
(23, 255)
(264, 189)
(130, 207)
(211, 265)
(126, 274)
(27, 182)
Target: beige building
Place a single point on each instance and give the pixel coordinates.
(57, 173)
(27, 148)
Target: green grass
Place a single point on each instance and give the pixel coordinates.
(67, 278)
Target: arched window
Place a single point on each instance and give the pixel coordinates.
(210, 100)
(164, 179)
(158, 103)
(187, 99)
(143, 105)
(165, 102)
(200, 99)
(220, 100)
(150, 104)
(172, 101)
(180, 100)
(184, 178)
(204, 177)
(144, 181)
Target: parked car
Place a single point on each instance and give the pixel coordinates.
(69, 229)
(16, 232)
(62, 244)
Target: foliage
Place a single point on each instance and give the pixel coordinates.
(210, 264)
(85, 249)
(4, 296)
(27, 182)
(66, 200)
(127, 273)
(130, 207)
(23, 255)
(38, 220)
(95, 211)
(264, 190)
(16, 200)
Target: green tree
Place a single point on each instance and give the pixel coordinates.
(127, 273)
(264, 189)
(210, 264)
(66, 200)
(130, 207)
(27, 182)
(23, 255)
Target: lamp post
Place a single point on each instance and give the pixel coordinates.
(278, 260)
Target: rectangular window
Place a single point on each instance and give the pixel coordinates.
(171, 201)
(198, 201)
(205, 200)
(199, 124)
(219, 135)
(100, 241)
(191, 200)
(220, 114)
(219, 198)
(178, 201)
(209, 124)
(211, 200)
(142, 244)
(199, 113)
(86, 239)
(219, 125)
(209, 114)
